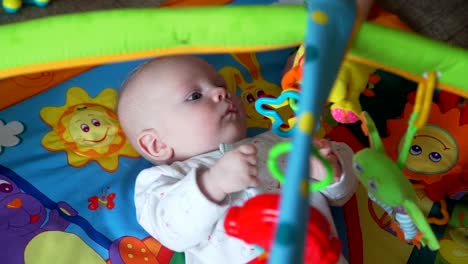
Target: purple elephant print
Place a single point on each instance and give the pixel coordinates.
(22, 217)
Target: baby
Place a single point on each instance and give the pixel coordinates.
(177, 113)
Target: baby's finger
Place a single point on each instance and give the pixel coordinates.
(332, 158)
(324, 146)
(253, 176)
(317, 142)
(321, 143)
(252, 170)
(251, 159)
(247, 149)
(254, 182)
(326, 151)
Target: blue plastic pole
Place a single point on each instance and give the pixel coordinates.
(329, 27)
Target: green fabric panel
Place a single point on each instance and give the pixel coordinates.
(178, 258)
(130, 30)
(412, 53)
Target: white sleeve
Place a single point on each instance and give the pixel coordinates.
(172, 208)
(340, 192)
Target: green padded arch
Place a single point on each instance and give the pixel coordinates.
(116, 35)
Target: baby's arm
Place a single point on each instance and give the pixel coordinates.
(345, 182)
(172, 208)
(182, 210)
(234, 172)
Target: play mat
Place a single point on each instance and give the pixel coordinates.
(67, 171)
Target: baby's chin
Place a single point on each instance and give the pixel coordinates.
(229, 135)
(225, 138)
(233, 135)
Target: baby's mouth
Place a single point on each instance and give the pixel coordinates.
(231, 111)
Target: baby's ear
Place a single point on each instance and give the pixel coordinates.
(151, 144)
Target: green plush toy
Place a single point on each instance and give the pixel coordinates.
(389, 188)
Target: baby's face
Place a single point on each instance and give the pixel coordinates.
(197, 113)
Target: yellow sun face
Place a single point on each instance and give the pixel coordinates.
(87, 129)
(436, 149)
(432, 151)
(92, 127)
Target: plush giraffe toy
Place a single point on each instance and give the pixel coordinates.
(390, 188)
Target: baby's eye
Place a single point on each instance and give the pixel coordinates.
(194, 96)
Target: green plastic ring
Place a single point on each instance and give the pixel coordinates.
(284, 147)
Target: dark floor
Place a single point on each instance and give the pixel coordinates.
(443, 20)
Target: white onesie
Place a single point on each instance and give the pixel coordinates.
(172, 209)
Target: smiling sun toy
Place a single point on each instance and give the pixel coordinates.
(87, 129)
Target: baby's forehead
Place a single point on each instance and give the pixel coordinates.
(152, 89)
(173, 75)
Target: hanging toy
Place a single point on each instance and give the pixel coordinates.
(384, 179)
(12, 6)
(255, 223)
(350, 82)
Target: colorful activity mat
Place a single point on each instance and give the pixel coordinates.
(67, 171)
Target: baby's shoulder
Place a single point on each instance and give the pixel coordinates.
(179, 169)
(153, 171)
(157, 175)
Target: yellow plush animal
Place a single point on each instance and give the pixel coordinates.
(351, 81)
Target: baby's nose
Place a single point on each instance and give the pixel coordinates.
(220, 94)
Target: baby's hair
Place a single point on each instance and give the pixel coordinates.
(134, 72)
(130, 77)
(134, 101)
(123, 86)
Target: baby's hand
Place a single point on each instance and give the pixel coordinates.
(235, 171)
(317, 170)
